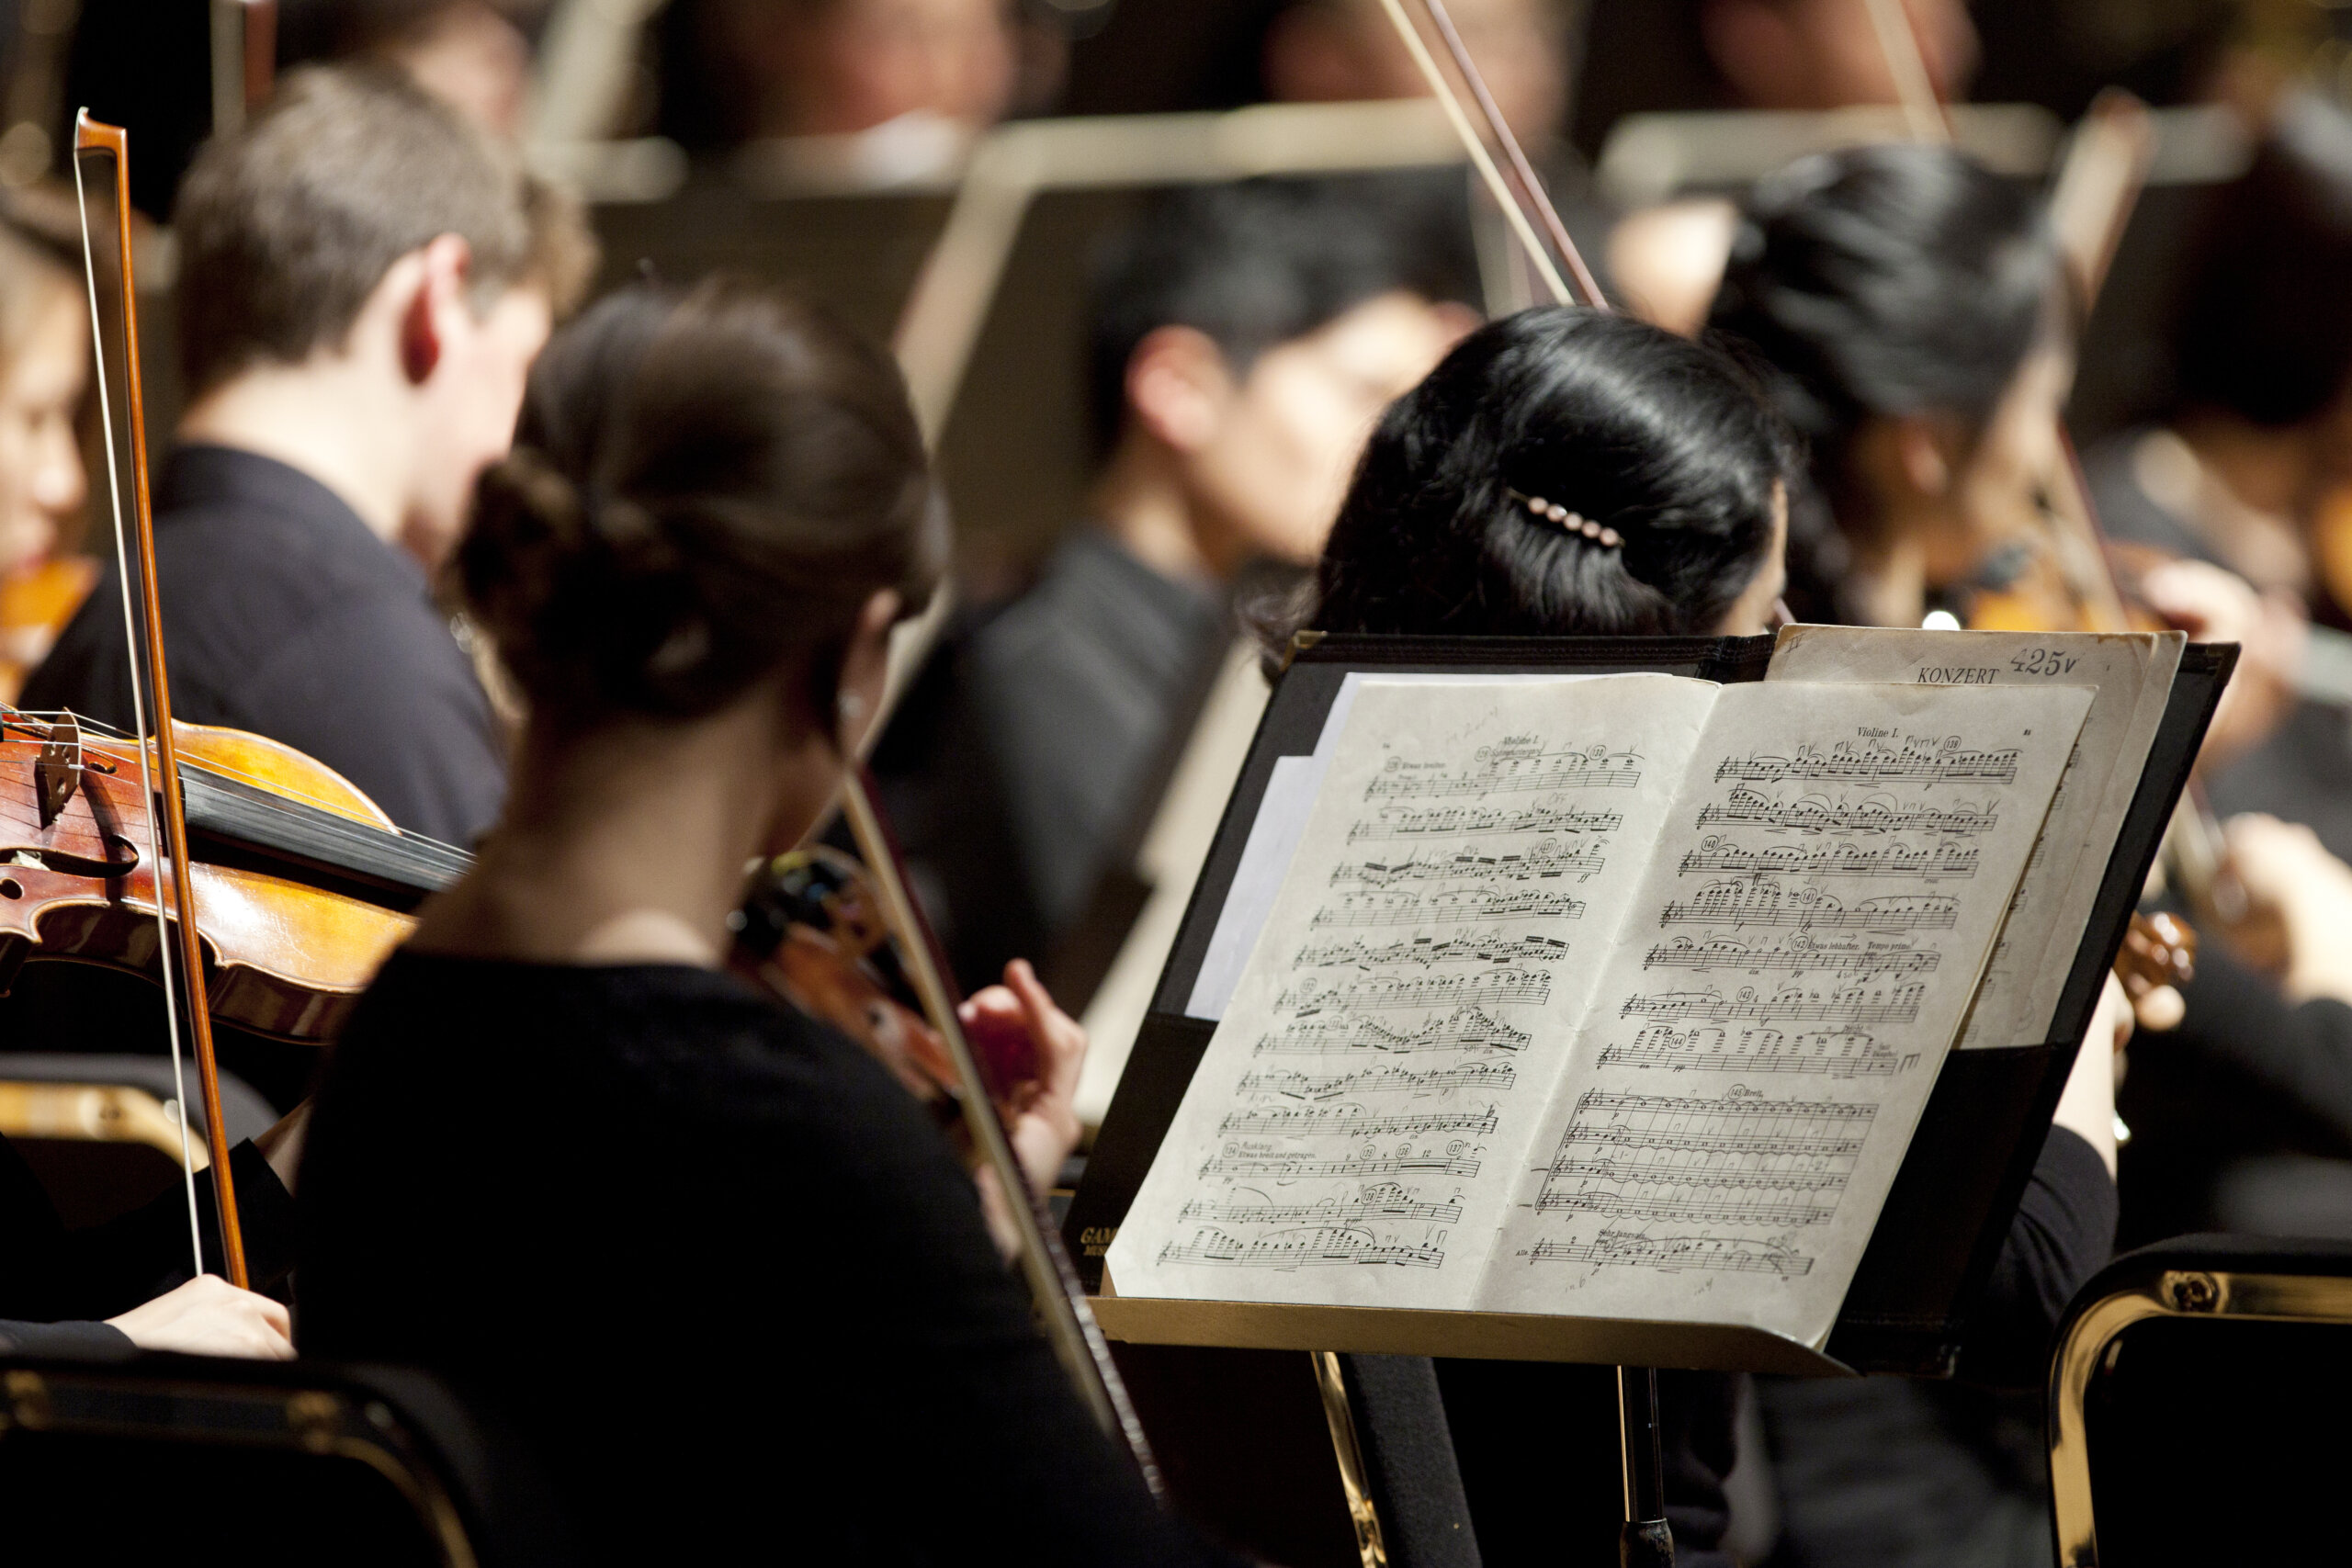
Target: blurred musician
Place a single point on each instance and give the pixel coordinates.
(1897, 295)
(474, 55)
(1826, 54)
(2249, 468)
(363, 283)
(1684, 470)
(1347, 50)
(44, 367)
(872, 89)
(718, 510)
(1243, 339)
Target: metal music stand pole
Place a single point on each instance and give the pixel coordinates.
(1644, 1542)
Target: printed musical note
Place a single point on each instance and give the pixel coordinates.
(1523, 987)
(1454, 821)
(1837, 1053)
(1517, 765)
(1320, 1246)
(1736, 1158)
(1486, 1078)
(1671, 1253)
(1871, 813)
(1465, 1029)
(1352, 1121)
(1919, 759)
(1302, 1166)
(1546, 860)
(1470, 947)
(1838, 859)
(1383, 1200)
(1451, 907)
(1762, 903)
(1795, 959)
(1853, 1005)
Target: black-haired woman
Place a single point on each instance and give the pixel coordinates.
(704, 1255)
(1899, 301)
(1664, 475)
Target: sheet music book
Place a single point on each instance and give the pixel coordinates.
(1612, 997)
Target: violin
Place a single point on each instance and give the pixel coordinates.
(301, 882)
(812, 930)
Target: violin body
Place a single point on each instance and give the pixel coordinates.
(283, 957)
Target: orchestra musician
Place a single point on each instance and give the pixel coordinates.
(44, 367)
(716, 510)
(363, 283)
(1663, 476)
(1242, 340)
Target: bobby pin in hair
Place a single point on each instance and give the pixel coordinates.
(1600, 534)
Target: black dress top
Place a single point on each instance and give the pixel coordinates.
(285, 615)
(710, 1259)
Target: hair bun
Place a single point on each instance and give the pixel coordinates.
(577, 585)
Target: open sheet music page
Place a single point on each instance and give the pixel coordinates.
(1802, 951)
(1365, 1110)
(2132, 674)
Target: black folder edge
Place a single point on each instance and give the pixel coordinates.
(1949, 1210)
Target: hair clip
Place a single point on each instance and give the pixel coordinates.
(1570, 522)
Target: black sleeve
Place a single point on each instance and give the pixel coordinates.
(66, 1341)
(972, 1397)
(2301, 1051)
(2063, 1232)
(116, 1265)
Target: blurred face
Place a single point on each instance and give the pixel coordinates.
(851, 66)
(1347, 50)
(476, 62)
(41, 481)
(470, 402)
(1826, 54)
(1268, 479)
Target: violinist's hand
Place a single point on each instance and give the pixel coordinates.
(1039, 1116)
(210, 1317)
(2214, 605)
(2283, 865)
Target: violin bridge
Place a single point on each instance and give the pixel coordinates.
(58, 770)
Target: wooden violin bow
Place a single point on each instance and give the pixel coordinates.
(181, 947)
(1052, 1281)
(1523, 207)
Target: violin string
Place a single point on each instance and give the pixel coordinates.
(1471, 144)
(214, 769)
(139, 714)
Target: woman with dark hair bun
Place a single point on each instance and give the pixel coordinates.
(1662, 446)
(702, 1255)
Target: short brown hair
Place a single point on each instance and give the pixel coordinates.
(286, 227)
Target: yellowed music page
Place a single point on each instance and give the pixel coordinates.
(2131, 675)
(1801, 952)
(1361, 1118)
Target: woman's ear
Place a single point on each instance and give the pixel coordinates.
(865, 668)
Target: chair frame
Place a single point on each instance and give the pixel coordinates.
(186, 1407)
(2159, 1291)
